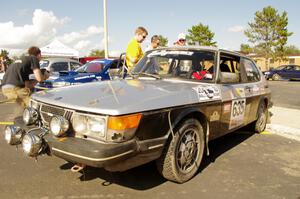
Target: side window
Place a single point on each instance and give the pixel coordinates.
(114, 64)
(74, 65)
(251, 71)
(59, 66)
(229, 68)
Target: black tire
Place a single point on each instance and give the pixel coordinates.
(260, 124)
(182, 155)
(276, 77)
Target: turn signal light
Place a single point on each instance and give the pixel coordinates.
(124, 122)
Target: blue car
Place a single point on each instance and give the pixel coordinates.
(96, 70)
(289, 72)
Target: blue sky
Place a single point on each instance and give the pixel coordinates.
(80, 24)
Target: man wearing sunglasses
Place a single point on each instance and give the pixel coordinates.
(154, 43)
(134, 51)
(181, 40)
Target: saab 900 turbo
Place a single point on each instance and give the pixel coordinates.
(169, 107)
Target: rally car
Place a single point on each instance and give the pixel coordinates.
(167, 109)
(96, 70)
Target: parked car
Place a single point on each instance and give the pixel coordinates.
(289, 72)
(167, 110)
(55, 65)
(96, 70)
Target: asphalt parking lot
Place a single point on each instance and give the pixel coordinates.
(241, 165)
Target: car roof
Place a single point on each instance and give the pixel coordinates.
(60, 59)
(208, 48)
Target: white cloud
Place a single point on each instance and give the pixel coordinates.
(236, 29)
(43, 30)
(77, 36)
(43, 27)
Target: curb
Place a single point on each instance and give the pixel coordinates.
(285, 131)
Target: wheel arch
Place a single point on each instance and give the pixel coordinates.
(191, 113)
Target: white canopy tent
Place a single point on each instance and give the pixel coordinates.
(58, 49)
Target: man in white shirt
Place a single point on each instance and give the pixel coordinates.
(154, 43)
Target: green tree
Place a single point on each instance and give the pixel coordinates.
(291, 49)
(163, 41)
(246, 49)
(4, 53)
(97, 53)
(268, 33)
(201, 35)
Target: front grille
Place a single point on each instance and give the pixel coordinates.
(48, 111)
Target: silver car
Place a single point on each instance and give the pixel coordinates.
(55, 65)
(174, 102)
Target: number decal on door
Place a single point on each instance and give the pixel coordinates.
(238, 108)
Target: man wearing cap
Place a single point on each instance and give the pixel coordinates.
(181, 40)
(134, 51)
(16, 83)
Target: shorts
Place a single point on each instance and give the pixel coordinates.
(17, 94)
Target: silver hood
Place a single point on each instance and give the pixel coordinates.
(120, 97)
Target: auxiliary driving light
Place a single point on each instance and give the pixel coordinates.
(13, 134)
(59, 125)
(31, 144)
(30, 115)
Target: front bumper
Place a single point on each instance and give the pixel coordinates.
(84, 151)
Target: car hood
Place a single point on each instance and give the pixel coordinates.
(121, 97)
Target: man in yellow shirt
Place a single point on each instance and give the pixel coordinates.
(134, 51)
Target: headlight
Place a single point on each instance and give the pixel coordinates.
(94, 126)
(30, 115)
(79, 123)
(31, 144)
(13, 134)
(61, 84)
(97, 126)
(59, 125)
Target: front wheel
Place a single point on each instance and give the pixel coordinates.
(182, 156)
(276, 77)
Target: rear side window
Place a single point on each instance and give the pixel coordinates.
(59, 66)
(229, 68)
(251, 71)
(74, 65)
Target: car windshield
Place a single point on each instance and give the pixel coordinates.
(91, 67)
(197, 65)
(280, 67)
(44, 63)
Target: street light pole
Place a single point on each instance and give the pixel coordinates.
(105, 30)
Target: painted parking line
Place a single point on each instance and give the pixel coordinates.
(7, 123)
(265, 133)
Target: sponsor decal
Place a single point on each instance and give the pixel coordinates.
(240, 92)
(238, 109)
(227, 107)
(215, 116)
(164, 52)
(84, 77)
(207, 92)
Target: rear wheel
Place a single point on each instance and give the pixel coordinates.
(276, 77)
(182, 156)
(260, 124)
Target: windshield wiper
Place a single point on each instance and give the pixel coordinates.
(149, 75)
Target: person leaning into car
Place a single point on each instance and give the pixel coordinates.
(16, 83)
(134, 51)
